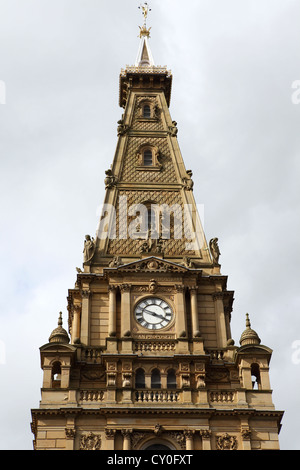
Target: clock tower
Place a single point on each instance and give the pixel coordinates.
(149, 362)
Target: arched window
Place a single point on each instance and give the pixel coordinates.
(171, 379)
(255, 377)
(140, 378)
(147, 157)
(146, 111)
(155, 379)
(56, 375)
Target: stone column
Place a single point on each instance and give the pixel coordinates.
(85, 317)
(205, 435)
(125, 310)
(220, 320)
(126, 433)
(126, 319)
(180, 325)
(70, 432)
(246, 437)
(189, 439)
(112, 311)
(194, 312)
(76, 324)
(70, 438)
(110, 439)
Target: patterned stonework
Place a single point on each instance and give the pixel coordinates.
(171, 247)
(131, 173)
(139, 124)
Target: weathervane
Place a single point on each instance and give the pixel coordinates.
(145, 9)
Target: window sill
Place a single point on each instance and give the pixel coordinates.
(148, 168)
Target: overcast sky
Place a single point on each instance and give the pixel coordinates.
(234, 63)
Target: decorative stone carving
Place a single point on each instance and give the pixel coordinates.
(127, 433)
(122, 128)
(214, 249)
(200, 380)
(205, 433)
(125, 287)
(89, 248)
(246, 434)
(115, 262)
(90, 441)
(226, 442)
(136, 438)
(152, 246)
(188, 183)
(179, 437)
(110, 433)
(153, 286)
(173, 130)
(187, 262)
(189, 433)
(70, 433)
(111, 379)
(126, 380)
(158, 429)
(157, 112)
(110, 179)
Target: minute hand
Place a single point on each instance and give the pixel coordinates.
(154, 314)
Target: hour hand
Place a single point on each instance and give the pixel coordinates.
(154, 314)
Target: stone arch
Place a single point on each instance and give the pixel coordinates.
(160, 443)
(255, 376)
(56, 374)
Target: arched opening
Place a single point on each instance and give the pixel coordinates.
(147, 157)
(158, 443)
(171, 379)
(56, 375)
(155, 379)
(140, 378)
(255, 377)
(157, 447)
(146, 111)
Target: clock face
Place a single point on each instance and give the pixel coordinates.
(153, 313)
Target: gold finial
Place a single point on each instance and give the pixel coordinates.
(145, 9)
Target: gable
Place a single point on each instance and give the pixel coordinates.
(151, 264)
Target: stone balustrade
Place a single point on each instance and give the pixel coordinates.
(221, 396)
(156, 396)
(155, 346)
(91, 395)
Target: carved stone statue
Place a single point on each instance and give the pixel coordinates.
(214, 249)
(89, 248)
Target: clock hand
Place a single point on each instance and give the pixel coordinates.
(154, 314)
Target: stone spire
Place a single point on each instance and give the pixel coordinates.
(249, 336)
(144, 57)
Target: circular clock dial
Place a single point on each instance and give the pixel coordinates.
(153, 313)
